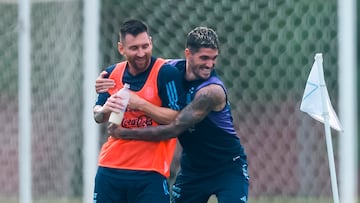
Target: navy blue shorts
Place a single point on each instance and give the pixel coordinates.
(128, 186)
(229, 186)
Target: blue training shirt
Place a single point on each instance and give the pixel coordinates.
(213, 142)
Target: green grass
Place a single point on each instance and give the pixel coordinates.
(285, 200)
(4, 200)
(282, 200)
(211, 200)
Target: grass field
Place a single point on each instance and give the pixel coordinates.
(282, 200)
(212, 200)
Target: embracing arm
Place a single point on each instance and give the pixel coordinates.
(102, 83)
(210, 98)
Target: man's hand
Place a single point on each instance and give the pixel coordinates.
(102, 84)
(115, 130)
(111, 129)
(114, 103)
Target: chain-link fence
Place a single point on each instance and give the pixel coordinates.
(267, 50)
(56, 79)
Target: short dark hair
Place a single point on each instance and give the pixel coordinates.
(202, 37)
(133, 27)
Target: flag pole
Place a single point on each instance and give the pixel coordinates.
(24, 97)
(319, 61)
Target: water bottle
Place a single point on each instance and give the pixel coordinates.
(125, 95)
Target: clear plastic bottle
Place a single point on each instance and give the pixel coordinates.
(125, 95)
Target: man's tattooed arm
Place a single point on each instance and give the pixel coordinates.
(209, 98)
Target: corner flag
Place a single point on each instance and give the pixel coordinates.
(316, 103)
(313, 101)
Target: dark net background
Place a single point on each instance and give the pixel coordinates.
(267, 50)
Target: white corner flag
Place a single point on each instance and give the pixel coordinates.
(313, 101)
(316, 103)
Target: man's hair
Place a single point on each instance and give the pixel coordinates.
(202, 37)
(133, 27)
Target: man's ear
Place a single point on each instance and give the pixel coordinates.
(187, 52)
(150, 40)
(120, 48)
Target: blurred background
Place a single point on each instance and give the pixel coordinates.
(267, 50)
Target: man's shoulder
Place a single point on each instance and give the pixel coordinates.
(175, 62)
(169, 70)
(213, 80)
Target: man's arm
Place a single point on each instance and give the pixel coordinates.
(210, 98)
(162, 115)
(172, 94)
(99, 115)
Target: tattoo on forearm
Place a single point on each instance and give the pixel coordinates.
(196, 110)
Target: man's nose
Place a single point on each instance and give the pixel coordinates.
(141, 52)
(210, 63)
